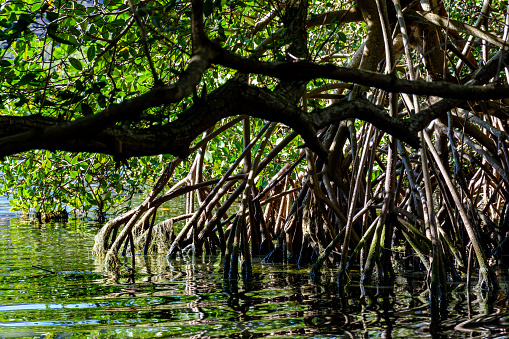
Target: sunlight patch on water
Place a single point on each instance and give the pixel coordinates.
(5, 212)
(50, 323)
(27, 307)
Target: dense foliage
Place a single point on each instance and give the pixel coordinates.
(386, 137)
(70, 59)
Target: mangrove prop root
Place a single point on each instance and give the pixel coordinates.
(327, 209)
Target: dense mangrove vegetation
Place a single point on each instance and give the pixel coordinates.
(364, 134)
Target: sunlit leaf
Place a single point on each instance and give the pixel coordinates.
(208, 156)
(249, 21)
(76, 64)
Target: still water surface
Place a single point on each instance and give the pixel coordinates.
(52, 287)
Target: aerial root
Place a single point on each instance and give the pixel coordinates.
(111, 261)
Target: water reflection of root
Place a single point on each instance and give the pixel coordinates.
(320, 321)
(479, 322)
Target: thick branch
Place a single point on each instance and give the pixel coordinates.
(341, 16)
(174, 138)
(308, 71)
(97, 133)
(88, 127)
(229, 100)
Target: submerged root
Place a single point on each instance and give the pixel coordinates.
(162, 236)
(111, 261)
(101, 238)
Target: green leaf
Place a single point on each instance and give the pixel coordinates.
(91, 53)
(13, 17)
(342, 36)
(44, 164)
(76, 64)
(51, 16)
(22, 100)
(208, 7)
(37, 6)
(74, 174)
(250, 21)
(52, 32)
(86, 109)
(26, 79)
(208, 157)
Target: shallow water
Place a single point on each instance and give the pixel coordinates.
(51, 287)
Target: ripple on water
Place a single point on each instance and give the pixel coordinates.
(51, 286)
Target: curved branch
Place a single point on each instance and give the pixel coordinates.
(228, 100)
(97, 133)
(309, 71)
(447, 23)
(176, 136)
(264, 21)
(88, 127)
(341, 16)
